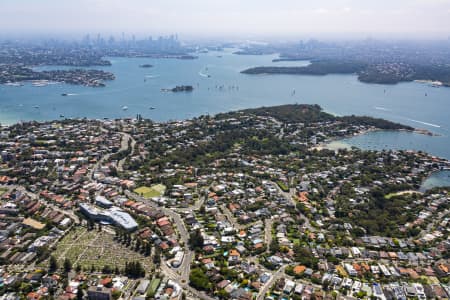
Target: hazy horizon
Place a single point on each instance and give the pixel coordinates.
(288, 19)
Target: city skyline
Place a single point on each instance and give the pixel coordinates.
(203, 19)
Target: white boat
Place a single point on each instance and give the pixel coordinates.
(40, 83)
(14, 84)
(204, 75)
(124, 107)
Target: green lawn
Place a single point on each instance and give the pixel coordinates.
(154, 191)
(402, 193)
(154, 284)
(2, 191)
(296, 241)
(283, 186)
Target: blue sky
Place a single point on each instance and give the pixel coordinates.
(206, 18)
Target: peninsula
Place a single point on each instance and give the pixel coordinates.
(240, 205)
(384, 62)
(17, 73)
(384, 73)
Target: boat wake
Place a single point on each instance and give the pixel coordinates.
(381, 108)
(409, 119)
(425, 123)
(151, 76)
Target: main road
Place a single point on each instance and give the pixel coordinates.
(290, 196)
(126, 138)
(182, 230)
(180, 274)
(123, 146)
(275, 276)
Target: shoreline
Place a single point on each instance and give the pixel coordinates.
(415, 130)
(324, 145)
(420, 189)
(429, 176)
(433, 83)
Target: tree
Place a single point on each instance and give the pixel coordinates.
(42, 252)
(128, 239)
(148, 249)
(67, 265)
(134, 269)
(157, 256)
(274, 246)
(90, 225)
(80, 293)
(199, 280)
(91, 196)
(51, 291)
(26, 287)
(53, 264)
(116, 294)
(106, 269)
(304, 256)
(196, 240)
(138, 245)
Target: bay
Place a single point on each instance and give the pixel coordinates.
(139, 89)
(437, 179)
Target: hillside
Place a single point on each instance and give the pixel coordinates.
(306, 113)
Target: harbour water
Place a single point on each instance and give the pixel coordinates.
(225, 88)
(438, 179)
(379, 140)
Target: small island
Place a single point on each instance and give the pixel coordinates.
(146, 66)
(179, 88)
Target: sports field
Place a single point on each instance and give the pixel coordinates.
(156, 190)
